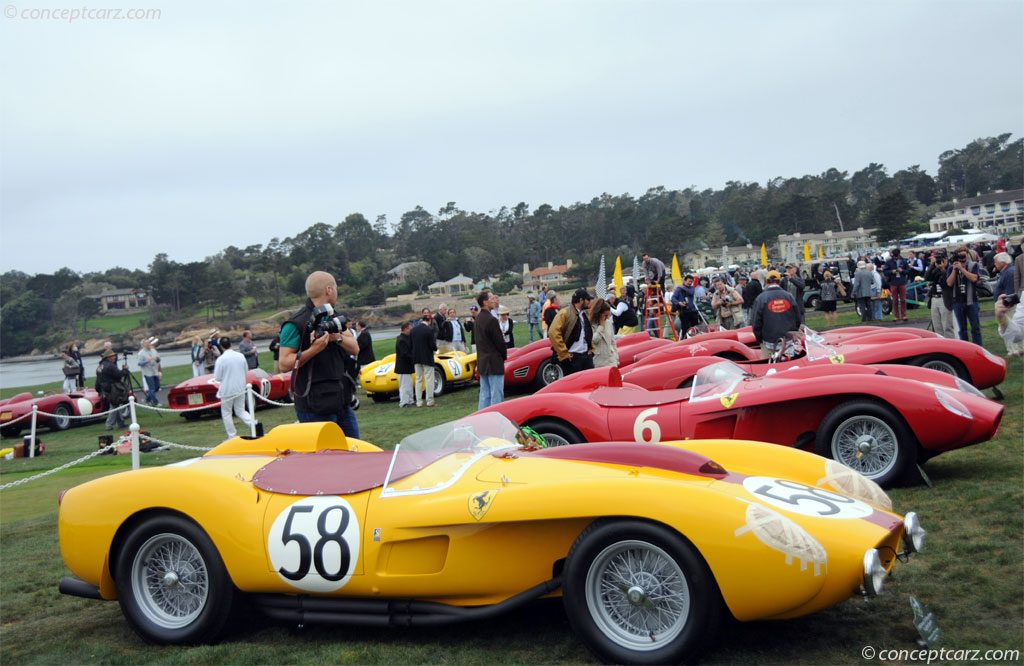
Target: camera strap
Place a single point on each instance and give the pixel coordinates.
(295, 372)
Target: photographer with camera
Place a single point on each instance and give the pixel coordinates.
(961, 276)
(727, 305)
(1004, 287)
(940, 297)
(314, 347)
(110, 383)
(210, 354)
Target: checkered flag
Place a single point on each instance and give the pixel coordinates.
(602, 281)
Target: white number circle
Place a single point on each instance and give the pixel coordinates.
(643, 424)
(314, 543)
(455, 367)
(805, 500)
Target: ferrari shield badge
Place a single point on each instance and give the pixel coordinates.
(727, 400)
(837, 359)
(480, 502)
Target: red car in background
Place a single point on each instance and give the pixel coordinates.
(879, 424)
(202, 391)
(62, 406)
(865, 345)
(533, 364)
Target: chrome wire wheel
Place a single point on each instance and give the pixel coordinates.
(553, 439)
(61, 419)
(941, 366)
(866, 444)
(170, 581)
(550, 373)
(637, 595)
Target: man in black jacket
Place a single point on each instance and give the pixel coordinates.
(110, 384)
(940, 296)
(365, 342)
(490, 351)
(795, 285)
(775, 313)
(404, 366)
(424, 344)
(323, 390)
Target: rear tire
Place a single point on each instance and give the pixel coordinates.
(639, 593)
(61, 419)
(557, 433)
(868, 437)
(440, 381)
(380, 397)
(192, 416)
(10, 432)
(172, 584)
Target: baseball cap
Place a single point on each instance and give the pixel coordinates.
(581, 294)
(530, 296)
(773, 276)
(473, 308)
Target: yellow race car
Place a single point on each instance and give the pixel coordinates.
(450, 368)
(646, 543)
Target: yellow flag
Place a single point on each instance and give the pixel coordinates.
(807, 251)
(617, 276)
(677, 276)
(764, 255)
(820, 255)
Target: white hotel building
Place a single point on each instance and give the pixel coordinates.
(999, 213)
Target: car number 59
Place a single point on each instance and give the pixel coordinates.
(314, 543)
(805, 500)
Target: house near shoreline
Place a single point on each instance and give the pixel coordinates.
(123, 300)
(456, 286)
(550, 275)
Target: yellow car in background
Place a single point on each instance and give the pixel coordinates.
(450, 368)
(647, 544)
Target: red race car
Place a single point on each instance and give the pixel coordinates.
(533, 365)
(878, 424)
(865, 345)
(202, 390)
(62, 406)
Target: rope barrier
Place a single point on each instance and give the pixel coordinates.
(180, 446)
(58, 469)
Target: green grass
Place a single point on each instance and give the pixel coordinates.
(117, 323)
(971, 573)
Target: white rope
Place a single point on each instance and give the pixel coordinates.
(180, 446)
(57, 469)
(20, 418)
(272, 402)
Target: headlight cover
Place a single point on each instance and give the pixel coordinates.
(874, 573)
(913, 534)
(952, 404)
(968, 387)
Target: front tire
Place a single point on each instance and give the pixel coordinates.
(548, 373)
(868, 437)
(942, 363)
(639, 593)
(61, 419)
(557, 433)
(172, 584)
(380, 397)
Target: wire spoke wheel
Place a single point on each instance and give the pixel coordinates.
(551, 373)
(866, 444)
(638, 595)
(170, 581)
(61, 419)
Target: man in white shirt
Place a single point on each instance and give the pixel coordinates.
(230, 371)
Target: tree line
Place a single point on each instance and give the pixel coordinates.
(663, 221)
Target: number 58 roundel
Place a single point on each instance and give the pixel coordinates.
(314, 543)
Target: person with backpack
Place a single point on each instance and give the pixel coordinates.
(110, 383)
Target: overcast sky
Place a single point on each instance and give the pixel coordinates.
(230, 123)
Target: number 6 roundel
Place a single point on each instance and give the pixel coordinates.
(314, 543)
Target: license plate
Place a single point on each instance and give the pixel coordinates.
(195, 398)
(6, 416)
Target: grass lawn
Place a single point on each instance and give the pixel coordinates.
(971, 573)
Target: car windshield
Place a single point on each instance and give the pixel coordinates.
(715, 381)
(817, 349)
(435, 458)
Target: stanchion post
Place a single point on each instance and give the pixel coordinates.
(32, 432)
(251, 400)
(134, 428)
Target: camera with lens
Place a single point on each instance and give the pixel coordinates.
(1010, 300)
(323, 321)
(961, 257)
